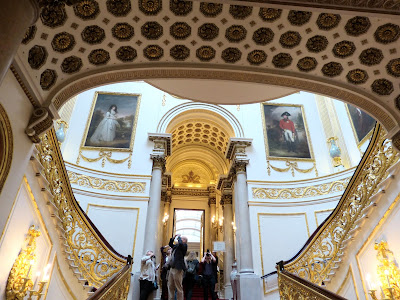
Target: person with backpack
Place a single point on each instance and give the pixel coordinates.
(191, 274)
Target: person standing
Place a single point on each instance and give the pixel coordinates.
(105, 131)
(166, 256)
(191, 274)
(147, 274)
(178, 266)
(288, 130)
(208, 263)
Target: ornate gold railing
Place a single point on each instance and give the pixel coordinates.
(323, 250)
(117, 287)
(92, 255)
(294, 287)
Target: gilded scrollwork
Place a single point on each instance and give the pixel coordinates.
(93, 258)
(301, 192)
(107, 185)
(322, 253)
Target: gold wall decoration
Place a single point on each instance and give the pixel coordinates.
(322, 253)
(20, 278)
(191, 178)
(301, 192)
(90, 254)
(105, 156)
(388, 271)
(291, 166)
(107, 185)
(6, 146)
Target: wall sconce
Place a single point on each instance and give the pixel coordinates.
(388, 274)
(39, 292)
(217, 224)
(19, 280)
(165, 219)
(234, 227)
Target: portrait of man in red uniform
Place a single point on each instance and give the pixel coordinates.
(288, 131)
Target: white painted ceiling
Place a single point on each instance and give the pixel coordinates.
(221, 91)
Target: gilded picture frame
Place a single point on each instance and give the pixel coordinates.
(301, 149)
(124, 121)
(362, 123)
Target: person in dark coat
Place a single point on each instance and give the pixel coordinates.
(191, 274)
(177, 265)
(208, 266)
(165, 256)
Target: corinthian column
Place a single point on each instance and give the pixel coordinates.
(162, 148)
(226, 202)
(212, 202)
(248, 283)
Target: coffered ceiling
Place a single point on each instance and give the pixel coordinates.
(94, 39)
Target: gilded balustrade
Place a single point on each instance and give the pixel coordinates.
(92, 255)
(317, 258)
(116, 288)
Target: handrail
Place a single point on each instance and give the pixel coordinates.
(117, 287)
(94, 257)
(269, 274)
(325, 246)
(294, 287)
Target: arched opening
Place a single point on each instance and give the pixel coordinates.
(6, 146)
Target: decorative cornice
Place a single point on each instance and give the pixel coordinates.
(237, 148)
(162, 143)
(21, 83)
(189, 192)
(301, 192)
(373, 7)
(6, 146)
(105, 184)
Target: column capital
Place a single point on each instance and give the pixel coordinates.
(226, 199)
(158, 162)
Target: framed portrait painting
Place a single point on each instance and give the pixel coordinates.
(285, 132)
(361, 122)
(112, 122)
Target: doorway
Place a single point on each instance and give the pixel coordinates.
(190, 223)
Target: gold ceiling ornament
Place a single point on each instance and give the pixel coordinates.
(323, 252)
(20, 278)
(191, 178)
(103, 156)
(301, 192)
(105, 184)
(89, 252)
(388, 271)
(291, 166)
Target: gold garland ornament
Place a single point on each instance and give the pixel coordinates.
(291, 166)
(20, 279)
(105, 155)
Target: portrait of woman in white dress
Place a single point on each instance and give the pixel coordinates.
(105, 131)
(112, 121)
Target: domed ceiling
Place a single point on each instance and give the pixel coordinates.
(97, 38)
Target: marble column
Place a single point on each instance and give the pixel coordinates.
(162, 148)
(212, 202)
(153, 209)
(249, 284)
(226, 202)
(15, 19)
